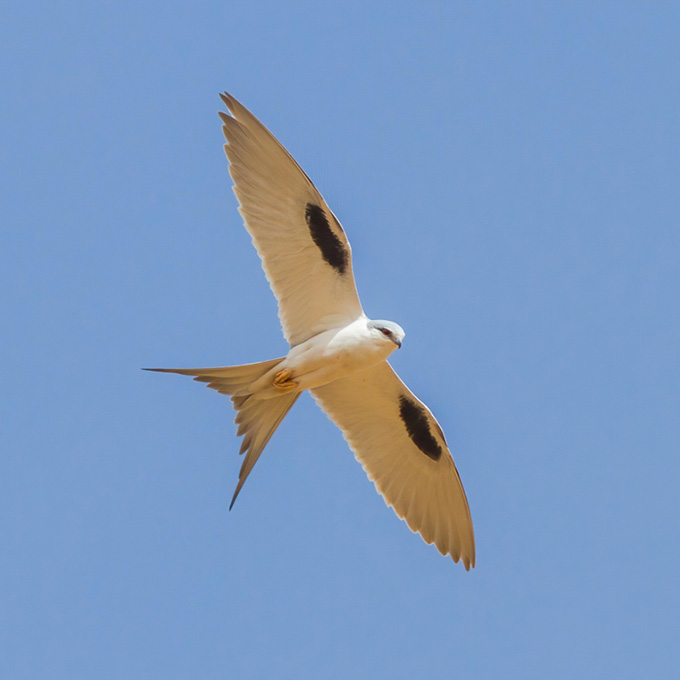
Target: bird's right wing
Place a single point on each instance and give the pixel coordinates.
(403, 451)
(304, 251)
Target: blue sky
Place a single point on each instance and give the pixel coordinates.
(507, 174)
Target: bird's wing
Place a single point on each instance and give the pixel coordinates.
(304, 251)
(403, 451)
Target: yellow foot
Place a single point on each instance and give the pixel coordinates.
(283, 380)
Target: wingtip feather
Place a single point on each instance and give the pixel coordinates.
(227, 99)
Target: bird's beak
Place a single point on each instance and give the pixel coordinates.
(397, 342)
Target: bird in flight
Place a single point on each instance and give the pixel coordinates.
(336, 351)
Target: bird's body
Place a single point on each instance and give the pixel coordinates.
(336, 351)
(331, 355)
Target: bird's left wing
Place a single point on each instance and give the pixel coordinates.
(404, 453)
(304, 251)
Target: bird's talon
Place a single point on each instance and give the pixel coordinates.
(283, 380)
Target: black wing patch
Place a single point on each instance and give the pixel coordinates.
(415, 419)
(331, 247)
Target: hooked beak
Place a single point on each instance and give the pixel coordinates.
(397, 342)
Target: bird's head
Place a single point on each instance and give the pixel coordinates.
(388, 330)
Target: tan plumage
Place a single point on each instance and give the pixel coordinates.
(257, 419)
(273, 192)
(336, 351)
(426, 493)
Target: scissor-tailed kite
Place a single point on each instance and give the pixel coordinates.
(336, 351)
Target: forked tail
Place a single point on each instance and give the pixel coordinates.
(257, 419)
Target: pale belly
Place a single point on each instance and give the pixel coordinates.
(327, 357)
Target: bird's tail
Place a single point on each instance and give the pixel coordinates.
(257, 419)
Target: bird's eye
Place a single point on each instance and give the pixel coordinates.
(385, 331)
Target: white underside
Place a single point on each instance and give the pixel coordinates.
(329, 356)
